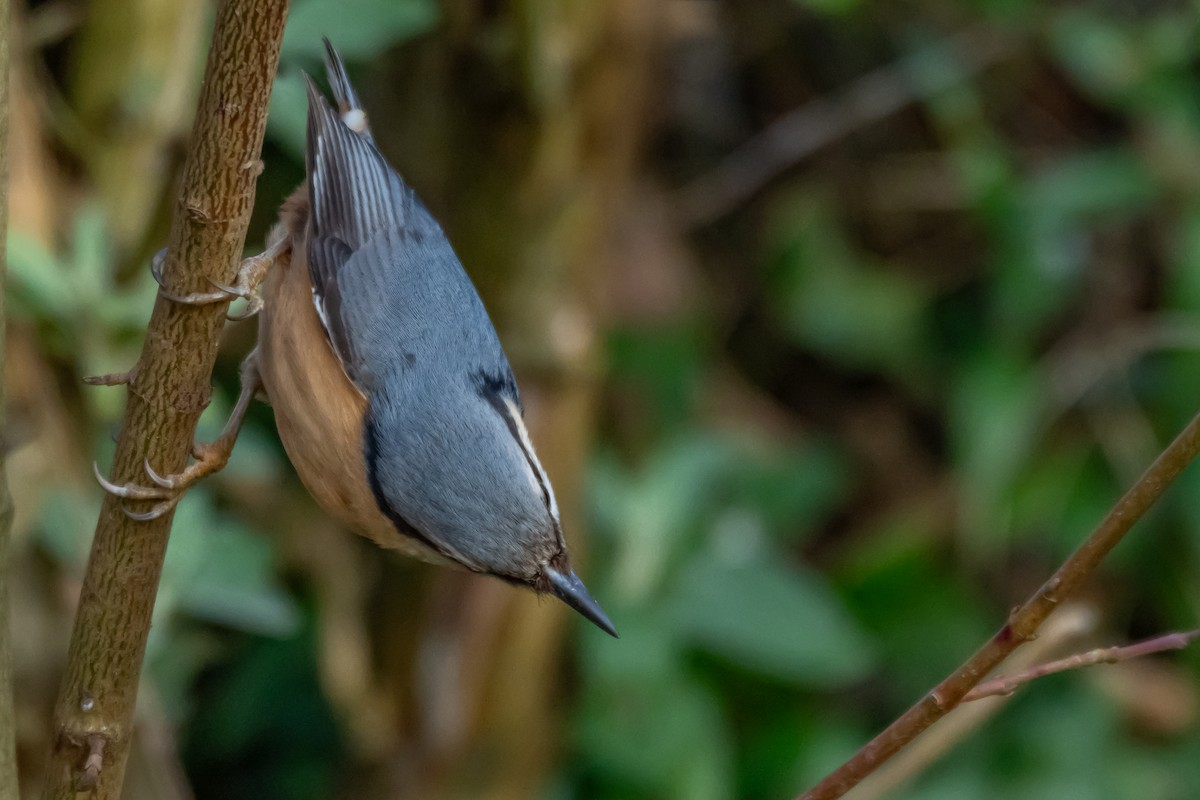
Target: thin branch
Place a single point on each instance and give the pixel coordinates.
(1004, 686)
(8, 719)
(170, 388)
(1022, 623)
(797, 135)
(1062, 631)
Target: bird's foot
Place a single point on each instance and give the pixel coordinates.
(250, 275)
(169, 489)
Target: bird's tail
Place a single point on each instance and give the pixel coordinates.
(349, 107)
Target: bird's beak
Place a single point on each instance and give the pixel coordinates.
(571, 591)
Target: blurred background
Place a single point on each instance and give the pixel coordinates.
(839, 324)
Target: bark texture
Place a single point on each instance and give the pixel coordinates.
(168, 389)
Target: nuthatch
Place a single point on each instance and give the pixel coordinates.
(392, 395)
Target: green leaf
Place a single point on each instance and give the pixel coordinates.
(665, 737)
(37, 284)
(833, 300)
(663, 368)
(1098, 52)
(89, 257)
(996, 419)
(658, 515)
(219, 571)
(66, 520)
(829, 7)
(923, 615)
(288, 112)
(784, 622)
(265, 709)
(1092, 182)
(793, 490)
(359, 29)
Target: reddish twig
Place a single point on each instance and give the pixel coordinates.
(1065, 629)
(1006, 685)
(1022, 623)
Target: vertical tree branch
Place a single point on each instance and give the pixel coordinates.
(168, 389)
(8, 720)
(1022, 623)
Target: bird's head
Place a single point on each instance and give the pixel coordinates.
(457, 470)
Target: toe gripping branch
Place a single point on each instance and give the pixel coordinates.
(167, 490)
(250, 276)
(209, 458)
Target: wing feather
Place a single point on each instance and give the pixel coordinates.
(354, 195)
(344, 96)
(387, 285)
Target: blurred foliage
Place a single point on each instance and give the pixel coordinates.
(842, 429)
(80, 310)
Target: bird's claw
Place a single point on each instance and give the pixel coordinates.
(223, 294)
(232, 291)
(128, 491)
(208, 457)
(155, 512)
(167, 489)
(132, 491)
(156, 267)
(249, 276)
(163, 481)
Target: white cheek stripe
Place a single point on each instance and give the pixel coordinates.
(523, 438)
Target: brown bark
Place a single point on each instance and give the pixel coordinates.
(8, 720)
(168, 390)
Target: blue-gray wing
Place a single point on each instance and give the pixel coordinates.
(387, 285)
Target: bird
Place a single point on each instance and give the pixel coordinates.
(392, 395)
